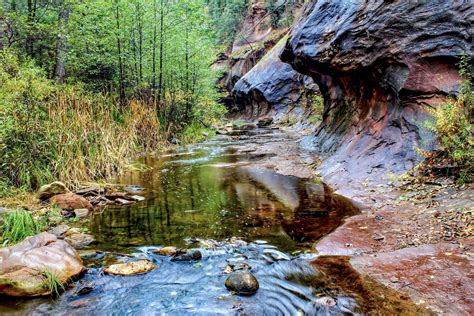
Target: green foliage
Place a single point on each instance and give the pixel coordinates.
(195, 133)
(19, 224)
(316, 107)
(226, 17)
(52, 283)
(281, 13)
(63, 132)
(451, 124)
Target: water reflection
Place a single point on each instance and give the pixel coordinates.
(212, 192)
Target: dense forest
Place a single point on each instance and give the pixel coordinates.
(123, 76)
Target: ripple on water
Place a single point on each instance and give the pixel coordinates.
(198, 289)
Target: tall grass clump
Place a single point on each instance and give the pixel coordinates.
(62, 132)
(19, 224)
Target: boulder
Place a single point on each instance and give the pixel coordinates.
(49, 190)
(70, 202)
(380, 66)
(22, 266)
(242, 283)
(130, 268)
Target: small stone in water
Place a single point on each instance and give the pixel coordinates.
(84, 288)
(130, 268)
(166, 251)
(326, 301)
(242, 283)
(187, 255)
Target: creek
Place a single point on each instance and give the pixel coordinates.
(211, 192)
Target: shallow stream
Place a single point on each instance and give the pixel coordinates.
(211, 191)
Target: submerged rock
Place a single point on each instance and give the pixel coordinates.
(187, 255)
(130, 268)
(242, 283)
(84, 288)
(23, 266)
(70, 202)
(49, 190)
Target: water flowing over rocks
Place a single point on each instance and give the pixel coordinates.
(23, 266)
(380, 65)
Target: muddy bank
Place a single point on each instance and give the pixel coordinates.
(427, 227)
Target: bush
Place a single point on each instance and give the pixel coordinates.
(62, 132)
(453, 130)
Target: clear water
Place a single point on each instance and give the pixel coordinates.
(210, 191)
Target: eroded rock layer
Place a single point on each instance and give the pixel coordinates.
(380, 66)
(271, 86)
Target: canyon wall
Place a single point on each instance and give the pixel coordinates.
(380, 66)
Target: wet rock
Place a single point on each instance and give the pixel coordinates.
(236, 267)
(84, 288)
(136, 198)
(116, 195)
(130, 268)
(78, 239)
(59, 230)
(49, 190)
(166, 251)
(187, 255)
(23, 266)
(326, 301)
(81, 212)
(242, 283)
(70, 202)
(264, 122)
(87, 254)
(378, 78)
(276, 255)
(121, 201)
(91, 191)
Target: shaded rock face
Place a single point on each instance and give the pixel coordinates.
(271, 85)
(22, 266)
(380, 65)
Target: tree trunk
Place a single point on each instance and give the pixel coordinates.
(61, 45)
(119, 48)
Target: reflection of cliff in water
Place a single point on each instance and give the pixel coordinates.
(207, 193)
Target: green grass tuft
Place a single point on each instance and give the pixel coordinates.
(52, 283)
(18, 225)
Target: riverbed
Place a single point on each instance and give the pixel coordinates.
(217, 199)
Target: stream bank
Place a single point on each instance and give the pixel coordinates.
(415, 238)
